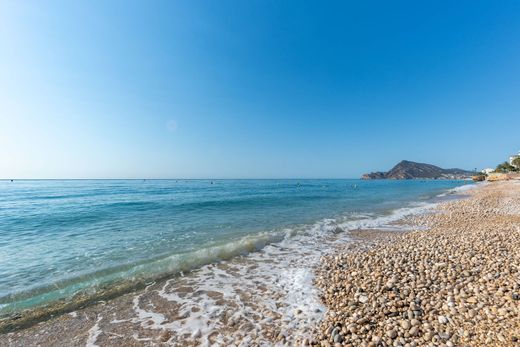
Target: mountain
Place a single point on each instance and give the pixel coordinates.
(407, 170)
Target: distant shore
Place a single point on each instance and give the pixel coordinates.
(456, 284)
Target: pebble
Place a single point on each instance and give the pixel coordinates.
(196, 334)
(414, 331)
(405, 325)
(391, 334)
(338, 338)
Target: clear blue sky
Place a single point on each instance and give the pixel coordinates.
(225, 89)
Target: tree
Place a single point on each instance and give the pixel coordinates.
(504, 167)
(516, 162)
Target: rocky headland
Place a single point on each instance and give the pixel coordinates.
(406, 170)
(455, 284)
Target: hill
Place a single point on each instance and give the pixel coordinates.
(406, 170)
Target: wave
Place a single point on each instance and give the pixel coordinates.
(462, 189)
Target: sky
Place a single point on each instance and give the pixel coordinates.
(255, 89)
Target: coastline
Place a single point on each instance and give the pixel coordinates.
(103, 236)
(263, 314)
(457, 283)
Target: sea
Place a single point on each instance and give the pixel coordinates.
(59, 238)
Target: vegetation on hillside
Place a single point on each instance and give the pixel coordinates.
(505, 167)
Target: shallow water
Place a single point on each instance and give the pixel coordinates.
(60, 237)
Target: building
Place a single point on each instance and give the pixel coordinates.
(487, 170)
(513, 157)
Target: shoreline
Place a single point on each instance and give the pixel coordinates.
(276, 326)
(455, 283)
(71, 292)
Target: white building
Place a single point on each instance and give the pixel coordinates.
(513, 157)
(487, 170)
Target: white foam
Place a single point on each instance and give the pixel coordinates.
(146, 317)
(232, 301)
(385, 222)
(463, 188)
(273, 284)
(93, 334)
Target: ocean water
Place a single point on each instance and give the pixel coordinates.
(62, 237)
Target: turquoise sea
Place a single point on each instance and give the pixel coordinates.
(62, 237)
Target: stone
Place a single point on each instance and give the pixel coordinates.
(338, 230)
(414, 330)
(405, 325)
(444, 335)
(472, 300)
(391, 333)
(442, 320)
(166, 336)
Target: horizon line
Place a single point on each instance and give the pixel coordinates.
(170, 179)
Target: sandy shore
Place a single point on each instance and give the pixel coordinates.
(455, 284)
(455, 281)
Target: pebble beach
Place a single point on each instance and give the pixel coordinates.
(455, 281)
(259, 173)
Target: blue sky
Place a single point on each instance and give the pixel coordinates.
(255, 89)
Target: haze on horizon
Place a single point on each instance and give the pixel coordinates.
(255, 89)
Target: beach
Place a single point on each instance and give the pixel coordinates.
(439, 274)
(191, 262)
(259, 173)
(457, 283)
